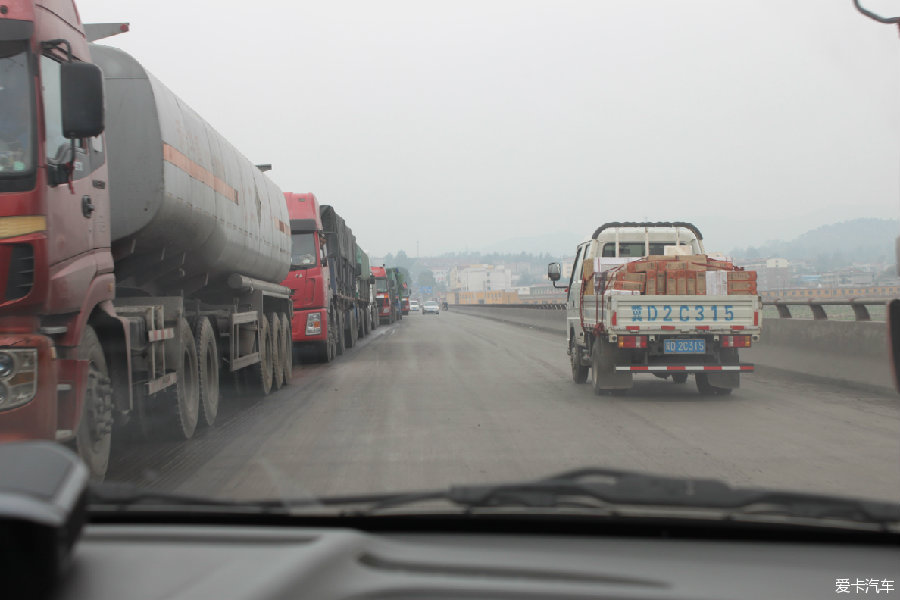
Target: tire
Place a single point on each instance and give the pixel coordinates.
(93, 438)
(339, 334)
(287, 345)
(277, 350)
(679, 378)
(186, 401)
(263, 370)
(579, 371)
(208, 369)
(351, 330)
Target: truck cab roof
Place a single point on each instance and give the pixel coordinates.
(636, 240)
(303, 211)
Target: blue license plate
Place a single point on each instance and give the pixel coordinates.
(684, 346)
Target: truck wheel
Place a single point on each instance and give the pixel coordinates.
(262, 371)
(679, 377)
(350, 331)
(287, 344)
(93, 438)
(277, 349)
(187, 389)
(339, 334)
(208, 362)
(579, 371)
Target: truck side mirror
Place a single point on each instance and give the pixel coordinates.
(554, 271)
(372, 279)
(81, 88)
(324, 261)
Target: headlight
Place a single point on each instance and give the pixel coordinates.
(18, 376)
(314, 323)
(7, 365)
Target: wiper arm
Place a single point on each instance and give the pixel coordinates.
(611, 489)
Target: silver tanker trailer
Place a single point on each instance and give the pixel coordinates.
(201, 241)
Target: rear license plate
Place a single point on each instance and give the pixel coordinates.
(684, 346)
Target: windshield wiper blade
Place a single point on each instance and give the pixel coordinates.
(122, 495)
(611, 489)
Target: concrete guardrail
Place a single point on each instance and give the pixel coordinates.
(845, 352)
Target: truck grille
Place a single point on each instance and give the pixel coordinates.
(20, 278)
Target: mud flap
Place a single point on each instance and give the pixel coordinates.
(724, 379)
(604, 358)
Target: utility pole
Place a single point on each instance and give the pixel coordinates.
(417, 249)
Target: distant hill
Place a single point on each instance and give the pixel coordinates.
(836, 245)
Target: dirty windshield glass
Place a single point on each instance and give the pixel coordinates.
(16, 120)
(303, 250)
(458, 149)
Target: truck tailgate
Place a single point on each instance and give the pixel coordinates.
(663, 314)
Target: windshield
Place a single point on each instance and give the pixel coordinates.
(16, 110)
(460, 148)
(303, 250)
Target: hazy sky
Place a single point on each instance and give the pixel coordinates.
(459, 123)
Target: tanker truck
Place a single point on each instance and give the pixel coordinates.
(140, 267)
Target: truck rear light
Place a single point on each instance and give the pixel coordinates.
(632, 341)
(756, 318)
(314, 323)
(735, 341)
(614, 321)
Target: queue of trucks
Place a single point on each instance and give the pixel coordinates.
(330, 279)
(143, 259)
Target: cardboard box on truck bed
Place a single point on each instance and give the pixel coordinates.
(741, 275)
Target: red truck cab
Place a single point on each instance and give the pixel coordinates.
(308, 276)
(382, 295)
(56, 268)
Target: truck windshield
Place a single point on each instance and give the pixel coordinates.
(381, 285)
(15, 110)
(303, 251)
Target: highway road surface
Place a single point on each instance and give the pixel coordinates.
(438, 400)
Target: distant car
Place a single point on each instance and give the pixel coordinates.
(431, 307)
(413, 305)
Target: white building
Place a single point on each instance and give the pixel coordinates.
(480, 278)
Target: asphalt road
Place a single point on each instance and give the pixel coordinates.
(438, 400)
